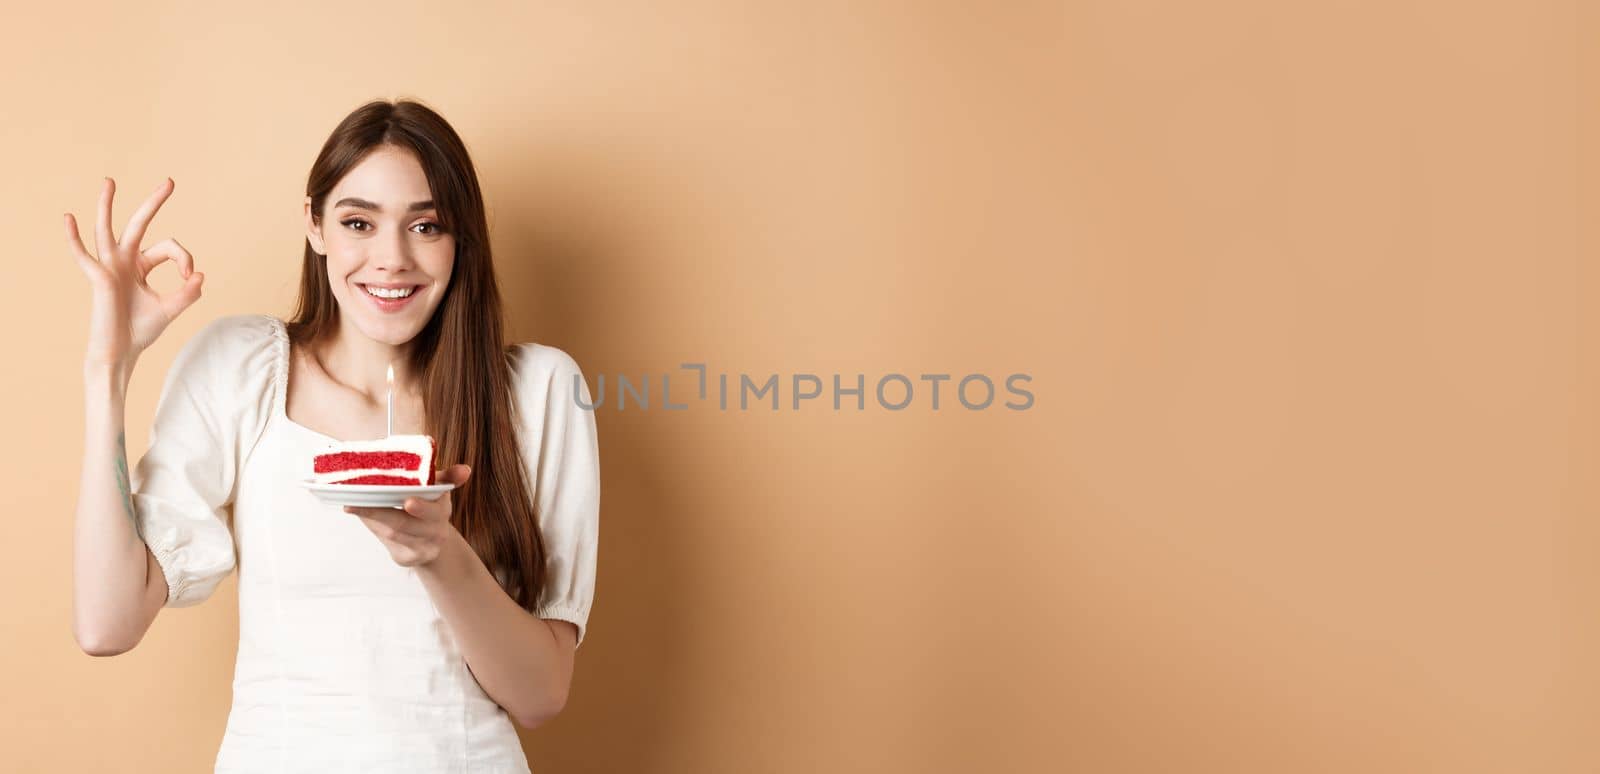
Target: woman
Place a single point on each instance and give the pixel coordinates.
(372, 639)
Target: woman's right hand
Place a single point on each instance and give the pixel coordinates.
(128, 316)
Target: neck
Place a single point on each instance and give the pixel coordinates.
(361, 363)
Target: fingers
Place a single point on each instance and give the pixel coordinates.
(388, 522)
(152, 257)
(412, 540)
(457, 474)
(102, 232)
(87, 262)
(437, 509)
(133, 233)
(178, 300)
(410, 513)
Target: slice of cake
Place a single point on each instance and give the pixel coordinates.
(403, 460)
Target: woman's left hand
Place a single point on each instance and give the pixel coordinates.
(416, 533)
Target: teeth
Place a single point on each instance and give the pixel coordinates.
(387, 293)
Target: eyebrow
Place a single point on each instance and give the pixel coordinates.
(366, 205)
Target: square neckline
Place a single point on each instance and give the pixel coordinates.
(280, 409)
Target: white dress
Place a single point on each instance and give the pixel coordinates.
(344, 663)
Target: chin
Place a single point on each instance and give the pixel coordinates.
(394, 334)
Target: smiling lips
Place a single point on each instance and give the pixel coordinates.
(389, 296)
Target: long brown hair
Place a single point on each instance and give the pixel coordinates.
(461, 352)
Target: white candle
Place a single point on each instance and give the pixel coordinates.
(391, 399)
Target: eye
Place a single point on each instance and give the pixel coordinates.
(353, 222)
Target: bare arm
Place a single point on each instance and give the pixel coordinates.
(522, 662)
(117, 586)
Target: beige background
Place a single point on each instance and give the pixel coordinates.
(1307, 486)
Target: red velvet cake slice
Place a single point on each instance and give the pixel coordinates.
(400, 460)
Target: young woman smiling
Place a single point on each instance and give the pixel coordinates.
(371, 639)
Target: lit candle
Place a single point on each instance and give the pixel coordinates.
(391, 399)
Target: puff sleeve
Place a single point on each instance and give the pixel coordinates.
(208, 416)
(561, 452)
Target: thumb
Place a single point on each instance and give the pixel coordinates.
(459, 473)
(177, 301)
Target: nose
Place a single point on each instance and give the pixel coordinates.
(391, 254)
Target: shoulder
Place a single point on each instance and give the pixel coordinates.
(541, 373)
(532, 361)
(236, 355)
(554, 413)
(237, 335)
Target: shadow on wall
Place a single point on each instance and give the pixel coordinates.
(630, 682)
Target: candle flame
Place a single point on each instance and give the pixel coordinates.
(391, 375)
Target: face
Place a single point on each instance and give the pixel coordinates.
(381, 234)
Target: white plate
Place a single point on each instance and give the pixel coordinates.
(373, 495)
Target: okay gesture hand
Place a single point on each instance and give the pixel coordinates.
(127, 314)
